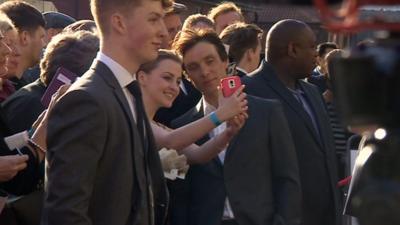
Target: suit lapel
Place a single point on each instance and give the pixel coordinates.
(276, 85)
(105, 73)
(318, 113)
(102, 70)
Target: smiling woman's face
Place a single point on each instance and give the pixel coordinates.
(161, 85)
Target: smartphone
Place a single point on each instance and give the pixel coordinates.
(229, 85)
(62, 76)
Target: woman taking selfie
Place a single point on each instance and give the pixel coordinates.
(159, 82)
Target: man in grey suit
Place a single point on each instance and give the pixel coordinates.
(255, 180)
(291, 56)
(102, 167)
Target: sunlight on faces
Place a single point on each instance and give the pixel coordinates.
(11, 38)
(205, 67)
(202, 26)
(321, 61)
(161, 85)
(306, 54)
(255, 56)
(226, 19)
(144, 30)
(4, 53)
(173, 23)
(37, 44)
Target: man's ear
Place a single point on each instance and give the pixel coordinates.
(292, 50)
(141, 77)
(226, 63)
(118, 23)
(24, 38)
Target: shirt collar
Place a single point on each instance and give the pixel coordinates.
(208, 108)
(297, 90)
(241, 70)
(123, 76)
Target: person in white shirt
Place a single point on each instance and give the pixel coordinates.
(102, 164)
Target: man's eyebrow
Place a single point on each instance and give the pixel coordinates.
(156, 14)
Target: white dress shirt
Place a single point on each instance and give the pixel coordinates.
(122, 75)
(241, 70)
(208, 108)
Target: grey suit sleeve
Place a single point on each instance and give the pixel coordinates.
(76, 132)
(287, 190)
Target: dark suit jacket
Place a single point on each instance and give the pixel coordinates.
(259, 174)
(96, 159)
(182, 104)
(24, 106)
(315, 152)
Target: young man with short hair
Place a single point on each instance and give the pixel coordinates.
(255, 180)
(102, 165)
(173, 22)
(30, 25)
(225, 14)
(244, 46)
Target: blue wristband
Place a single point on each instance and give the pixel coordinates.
(214, 119)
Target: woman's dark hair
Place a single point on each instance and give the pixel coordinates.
(162, 55)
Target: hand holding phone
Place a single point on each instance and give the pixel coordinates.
(62, 76)
(232, 101)
(229, 85)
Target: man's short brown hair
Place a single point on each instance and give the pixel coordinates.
(189, 38)
(163, 54)
(23, 15)
(223, 8)
(101, 9)
(194, 19)
(240, 37)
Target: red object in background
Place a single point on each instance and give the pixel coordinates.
(346, 18)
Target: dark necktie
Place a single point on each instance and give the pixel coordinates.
(134, 89)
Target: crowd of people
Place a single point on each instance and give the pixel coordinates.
(145, 135)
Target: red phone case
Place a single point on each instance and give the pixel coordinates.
(229, 85)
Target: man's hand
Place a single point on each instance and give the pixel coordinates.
(235, 124)
(10, 165)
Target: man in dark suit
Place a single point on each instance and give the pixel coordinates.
(290, 52)
(102, 165)
(255, 180)
(244, 46)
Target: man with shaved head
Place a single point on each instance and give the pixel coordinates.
(290, 57)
